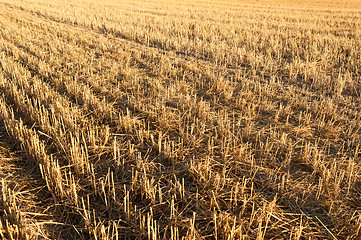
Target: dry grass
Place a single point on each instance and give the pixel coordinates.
(180, 119)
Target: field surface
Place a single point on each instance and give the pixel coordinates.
(180, 119)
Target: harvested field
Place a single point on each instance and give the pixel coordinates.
(180, 119)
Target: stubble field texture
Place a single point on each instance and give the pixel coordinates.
(180, 119)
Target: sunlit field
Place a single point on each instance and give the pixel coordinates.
(180, 119)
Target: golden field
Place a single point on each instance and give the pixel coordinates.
(180, 119)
